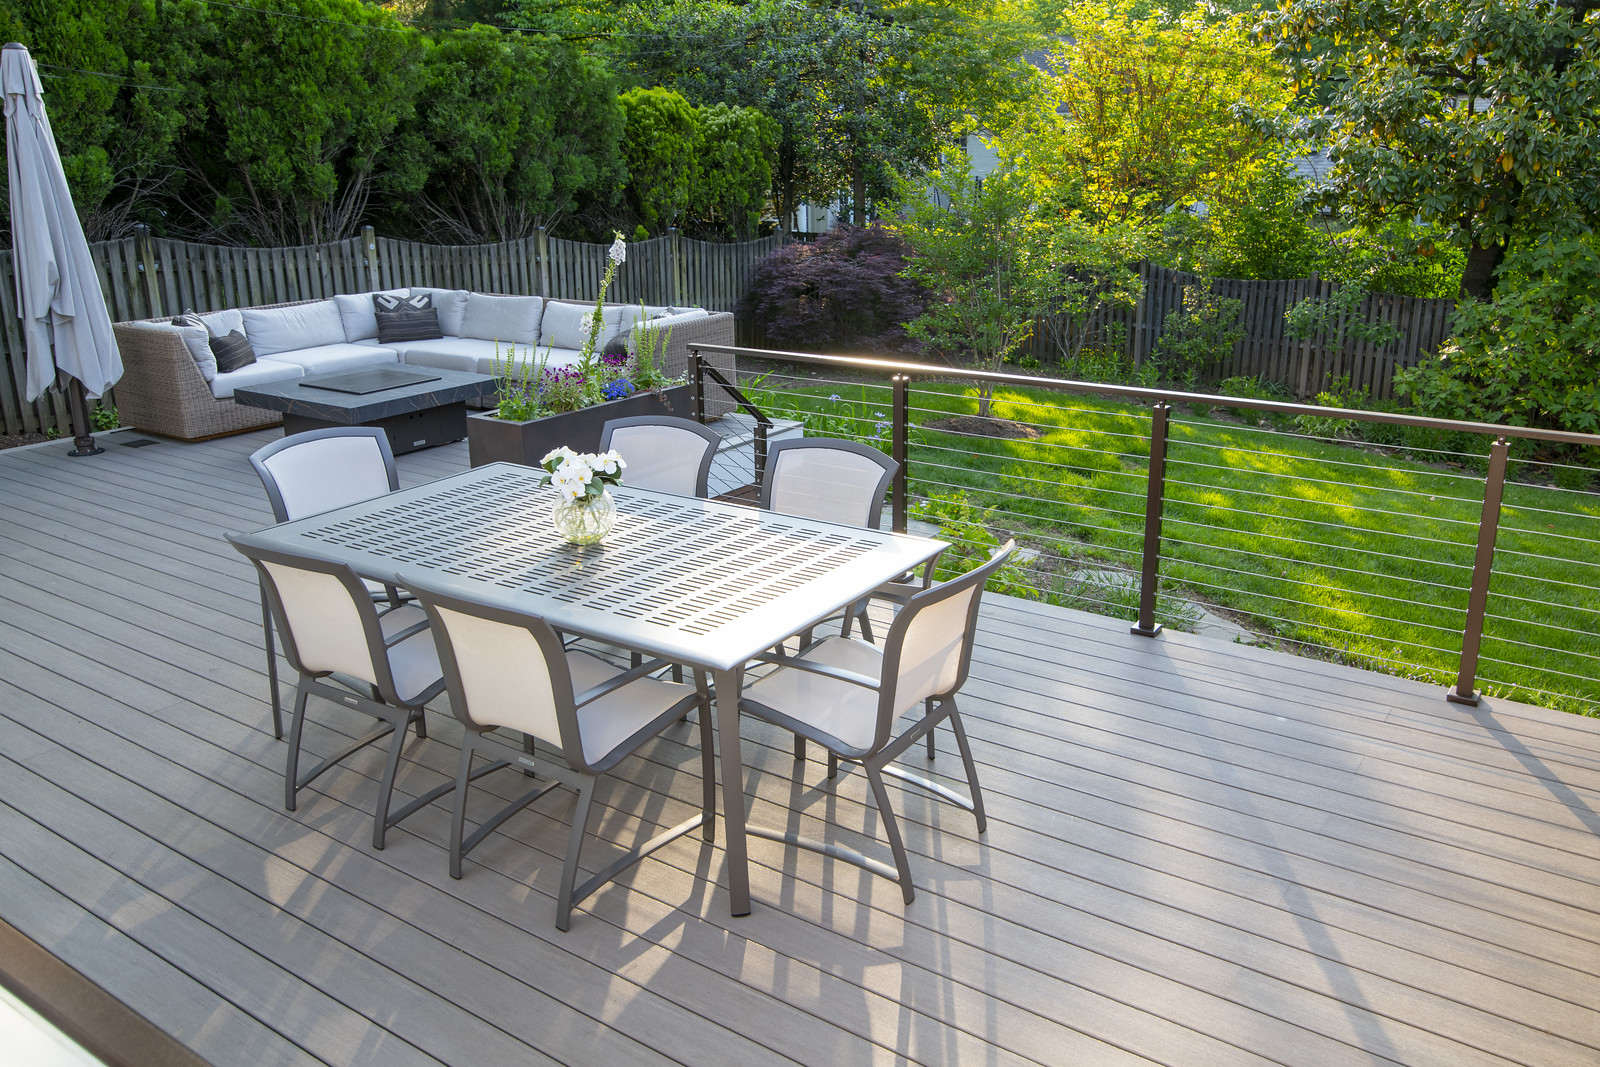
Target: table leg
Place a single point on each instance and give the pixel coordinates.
(729, 684)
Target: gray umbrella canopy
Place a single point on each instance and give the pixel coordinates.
(58, 290)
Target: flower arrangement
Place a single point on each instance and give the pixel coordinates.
(531, 389)
(581, 475)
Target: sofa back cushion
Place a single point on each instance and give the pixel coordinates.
(451, 304)
(502, 318)
(298, 326)
(563, 325)
(197, 339)
(355, 310)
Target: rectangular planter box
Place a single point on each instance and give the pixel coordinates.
(493, 440)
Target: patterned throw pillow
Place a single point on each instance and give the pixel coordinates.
(232, 352)
(405, 318)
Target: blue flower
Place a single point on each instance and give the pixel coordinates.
(618, 389)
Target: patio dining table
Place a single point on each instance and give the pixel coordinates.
(695, 582)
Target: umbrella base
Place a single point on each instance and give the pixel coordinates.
(84, 446)
(82, 440)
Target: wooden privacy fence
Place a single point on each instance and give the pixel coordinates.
(145, 277)
(1304, 366)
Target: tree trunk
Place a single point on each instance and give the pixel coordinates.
(1477, 278)
(858, 191)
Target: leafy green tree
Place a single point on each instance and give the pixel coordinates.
(995, 264)
(661, 143)
(304, 99)
(1530, 356)
(858, 96)
(510, 133)
(1143, 116)
(117, 127)
(1477, 115)
(735, 162)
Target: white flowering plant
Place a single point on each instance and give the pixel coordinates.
(579, 475)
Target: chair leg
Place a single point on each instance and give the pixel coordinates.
(269, 638)
(928, 709)
(972, 768)
(833, 764)
(527, 747)
(421, 721)
(799, 747)
(892, 829)
(391, 769)
(458, 815)
(291, 770)
(569, 871)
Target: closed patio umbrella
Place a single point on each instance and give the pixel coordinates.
(64, 317)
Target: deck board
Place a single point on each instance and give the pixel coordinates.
(1199, 853)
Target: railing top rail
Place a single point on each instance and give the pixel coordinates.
(1170, 396)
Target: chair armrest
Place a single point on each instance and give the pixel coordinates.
(837, 673)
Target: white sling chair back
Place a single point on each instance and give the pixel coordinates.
(312, 472)
(848, 696)
(663, 452)
(829, 479)
(505, 669)
(346, 649)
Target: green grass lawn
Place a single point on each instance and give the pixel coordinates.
(1332, 549)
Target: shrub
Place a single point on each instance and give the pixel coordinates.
(1531, 355)
(843, 289)
(1198, 335)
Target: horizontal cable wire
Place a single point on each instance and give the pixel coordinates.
(1587, 587)
(1323, 462)
(1329, 588)
(1537, 647)
(1535, 691)
(1168, 538)
(1141, 456)
(1302, 479)
(1553, 672)
(1316, 607)
(1550, 534)
(1363, 510)
(1051, 464)
(1445, 454)
(1309, 522)
(1374, 553)
(1332, 629)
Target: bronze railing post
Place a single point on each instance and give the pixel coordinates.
(369, 253)
(1155, 496)
(900, 431)
(542, 245)
(698, 373)
(1482, 568)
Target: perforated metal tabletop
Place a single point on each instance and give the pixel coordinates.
(696, 581)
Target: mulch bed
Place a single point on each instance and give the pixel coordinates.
(12, 440)
(976, 427)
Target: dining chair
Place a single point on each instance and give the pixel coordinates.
(848, 696)
(507, 669)
(351, 651)
(833, 480)
(316, 471)
(663, 452)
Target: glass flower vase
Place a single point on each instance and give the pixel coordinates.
(586, 520)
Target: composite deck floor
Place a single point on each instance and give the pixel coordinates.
(1199, 853)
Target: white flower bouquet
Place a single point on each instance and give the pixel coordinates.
(581, 475)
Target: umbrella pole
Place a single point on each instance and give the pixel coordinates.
(78, 405)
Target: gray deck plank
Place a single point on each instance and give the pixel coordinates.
(1198, 853)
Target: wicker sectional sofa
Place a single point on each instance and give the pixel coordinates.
(165, 390)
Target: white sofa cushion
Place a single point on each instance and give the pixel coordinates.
(562, 326)
(261, 372)
(450, 353)
(222, 323)
(197, 339)
(355, 311)
(272, 330)
(502, 318)
(451, 304)
(326, 359)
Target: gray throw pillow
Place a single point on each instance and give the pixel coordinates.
(232, 352)
(405, 318)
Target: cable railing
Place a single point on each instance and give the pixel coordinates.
(1459, 563)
